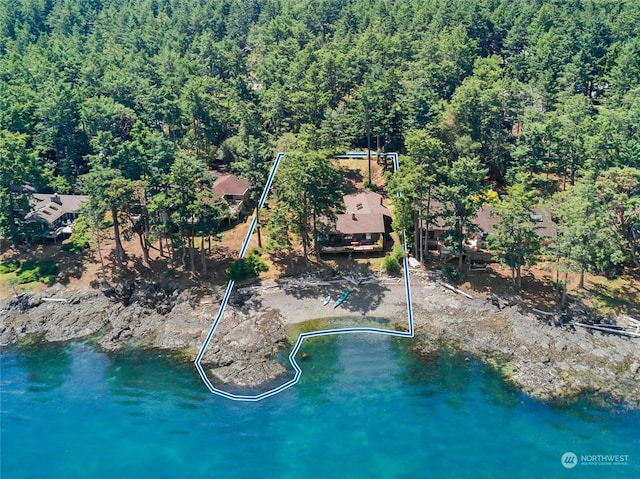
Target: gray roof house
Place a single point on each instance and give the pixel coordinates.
(55, 212)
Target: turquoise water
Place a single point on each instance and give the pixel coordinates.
(364, 408)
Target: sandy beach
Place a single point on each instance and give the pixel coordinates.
(299, 301)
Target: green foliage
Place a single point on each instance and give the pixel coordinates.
(77, 243)
(125, 92)
(248, 267)
(28, 276)
(43, 268)
(390, 264)
(308, 187)
(278, 229)
(452, 274)
(9, 266)
(461, 196)
(398, 254)
(44, 271)
(17, 167)
(515, 240)
(257, 265)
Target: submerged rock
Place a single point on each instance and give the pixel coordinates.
(249, 373)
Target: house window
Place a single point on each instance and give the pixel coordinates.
(367, 236)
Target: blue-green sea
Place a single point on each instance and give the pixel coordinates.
(365, 407)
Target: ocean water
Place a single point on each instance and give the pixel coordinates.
(365, 407)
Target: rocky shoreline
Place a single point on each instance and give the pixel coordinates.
(152, 316)
(548, 360)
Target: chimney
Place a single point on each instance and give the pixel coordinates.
(381, 203)
(56, 199)
(353, 216)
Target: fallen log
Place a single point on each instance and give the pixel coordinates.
(608, 330)
(455, 290)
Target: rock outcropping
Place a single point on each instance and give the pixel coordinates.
(152, 316)
(547, 361)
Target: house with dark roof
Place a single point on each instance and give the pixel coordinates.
(55, 213)
(361, 228)
(235, 192)
(541, 219)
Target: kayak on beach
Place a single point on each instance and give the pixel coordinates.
(341, 299)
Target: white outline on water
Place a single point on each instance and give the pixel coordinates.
(303, 336)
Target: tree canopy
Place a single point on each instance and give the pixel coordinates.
(470, 91)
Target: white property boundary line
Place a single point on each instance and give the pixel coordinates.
(302, 337)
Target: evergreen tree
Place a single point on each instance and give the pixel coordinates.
(461, 196)
(308, 187)
(515, 239)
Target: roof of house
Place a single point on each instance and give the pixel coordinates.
(230, 185)
(541, 218)
(365, 202)
(50, 208)
(359, 223)
(484, 219)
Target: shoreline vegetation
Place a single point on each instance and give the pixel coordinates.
(546, 357)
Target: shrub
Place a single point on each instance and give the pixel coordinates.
(398, 254)
(256, 264)
(9, 266)
(248, 267)
(44, 271)
(29, 265)
(238, 270)
(46, 268)
(77, 243)
(28, 276)
(453, 274)
(390, 264)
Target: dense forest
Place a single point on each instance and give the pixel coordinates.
(510, 101)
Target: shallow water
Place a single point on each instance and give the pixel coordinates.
(365, 407)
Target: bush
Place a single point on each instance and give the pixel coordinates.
(42, 268)
(9, 266)
(398, 254)
(77, 243)
(44, 271)
(390, 264)
(452, 274)
(238, 270)
(256, 264)
(248, 267)
(28, 276)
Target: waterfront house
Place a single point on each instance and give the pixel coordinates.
(361, 228)
(54, 213)
(235, 192)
